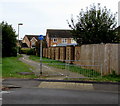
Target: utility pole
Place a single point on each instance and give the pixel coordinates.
(40, 38)
(18, 37)
(40, 57)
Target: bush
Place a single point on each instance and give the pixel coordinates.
(113, 74)
(28, 51)
(24, 50)
(31, 52)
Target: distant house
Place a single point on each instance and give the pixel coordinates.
(58, 37)
(19, 43)
(29, 41)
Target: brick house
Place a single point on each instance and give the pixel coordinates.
(30, 40)
(55, 37)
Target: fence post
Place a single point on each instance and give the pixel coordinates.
(101, 70)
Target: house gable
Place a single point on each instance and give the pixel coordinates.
(33, 41)
(57, 36)
(26, 40)
(57, 33)
(30, 39)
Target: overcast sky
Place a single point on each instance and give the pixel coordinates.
(39, 15)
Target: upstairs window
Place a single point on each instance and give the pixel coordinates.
(64, 40)
(54, 40)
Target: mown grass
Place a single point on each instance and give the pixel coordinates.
(11, 67)
(0, 70)
(0, 67)
(86, 72)
(98, 79)
(49, 62)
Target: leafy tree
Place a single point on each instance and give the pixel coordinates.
(95, 25)
(0, 41)
(8, 40)
(117, 30)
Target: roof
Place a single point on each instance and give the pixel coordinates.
(58, 33)
(31, 36)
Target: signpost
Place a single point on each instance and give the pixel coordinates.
(40, 38)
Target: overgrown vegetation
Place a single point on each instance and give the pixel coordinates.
(28, 51)
(11, 67)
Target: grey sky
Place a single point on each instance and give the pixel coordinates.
(39, 15)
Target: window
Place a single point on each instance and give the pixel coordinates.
(54, 40)
(64, 40)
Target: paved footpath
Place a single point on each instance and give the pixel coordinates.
(59, 74)
(48, 71)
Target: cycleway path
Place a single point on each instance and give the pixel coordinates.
(48, 71)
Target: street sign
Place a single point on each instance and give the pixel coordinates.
(40, 37)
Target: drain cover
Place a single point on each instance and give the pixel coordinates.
(7, 87)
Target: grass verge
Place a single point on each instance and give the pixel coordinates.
(70, 67)
(73, 68)
(11, 67)
(98, 79)
(0, 67)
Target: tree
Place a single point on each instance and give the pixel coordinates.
(8, 40)
(95, 25)
(117, 30)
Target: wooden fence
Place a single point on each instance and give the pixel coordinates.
(105, 55)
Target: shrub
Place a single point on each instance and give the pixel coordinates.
(24, 50)
(31, 52)
(113, 74)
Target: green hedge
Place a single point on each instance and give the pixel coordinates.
(28, 51)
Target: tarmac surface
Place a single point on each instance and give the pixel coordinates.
(58, 96)
(60, 84)
(34, 91)
(54, 90)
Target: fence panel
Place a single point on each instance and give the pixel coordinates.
(66, 70)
